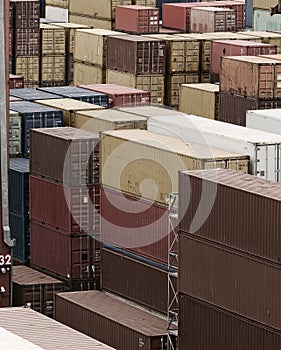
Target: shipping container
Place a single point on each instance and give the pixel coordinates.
(249, 10)
(147, 164)
(16, 81)
(26, 42)
(14, 99)
(154, 83)
(73, 208)
(137, 19)
(76, 155)
(150, 111)
(263, 20)
(28, 68)
(59, 3)
(121, 96)
(262, 147)
(134, 278)
(15, 149)
(136, 54)
(192, 95)
(159, 4)
(34, 289)
(103, 120)
(212, 19)
(56, 13)
(19, 185)
(87, 74)
(267, 37)
(34, 115)
(52, 39)
(26, 13)
(68, 106)
(233, 109)
(78, 94)
(23, 328)
(64, 256)
(251, 227)
(264, 4)
(29, 94)
(251, 76)
(111, 320)
(203, 326)
(220, 48)
(91, 21)
(20, 230)
(234, 281)
(267, 120)
(52, 70)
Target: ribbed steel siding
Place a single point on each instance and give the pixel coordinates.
(19, 185)
(202, 326)
(241, 219)
(233, 281)
(133, 279)
(134, 224)
(19, 226)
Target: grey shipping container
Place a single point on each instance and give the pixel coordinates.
(234, 281)
(30, 94)
(203, 326)
(111, 321)
(35, 289)
(240, 211)
(20, 230)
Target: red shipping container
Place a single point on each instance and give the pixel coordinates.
(121, 96)
(10, 41)
(137, 19)
(212, 19)
(177, 16)
(16, 81)
(63, 256)
(220, 48)
(72, 209)
(134, 224)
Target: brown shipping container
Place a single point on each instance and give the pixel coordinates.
(155, 83)
(137, 19)
(245, 213)
(232, 109)
(251, 76)
(212, 19)
(134, 224)
(111, 321)
(76, 155)
(34, 289)
(64, 256)
(135, 280)
(231, 280)
(26, 13)
(16, 81)
(220, 48)
(26, 42)
(177, 16)
(136, 54)
(71, 209)
(203, 326)
(121, 96)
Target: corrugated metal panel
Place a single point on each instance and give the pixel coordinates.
(33, 327)
(29, 94)
(19, 226)
(231, 280)
(248, 208)
(202, 326)
(111, 320)
(19, 185)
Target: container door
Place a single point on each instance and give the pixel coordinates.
(268, 160)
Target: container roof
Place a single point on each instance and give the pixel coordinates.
(67, 133)
(24, 275)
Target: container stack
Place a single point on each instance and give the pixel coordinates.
(229, 269)
(262, 18)
(64, 230)
(19, 208)
(52, 55)
(26, 40)
(137, 62)
(90, 55)
(247, 83)
(57, 10)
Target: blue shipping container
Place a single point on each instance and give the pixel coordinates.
(20, 230)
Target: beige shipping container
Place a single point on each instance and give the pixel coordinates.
(52, 69)
(151, 3)
(173, 84)
(108, 119)
(52, 39)
(182, 54)
(91, 21)
(86, 74)
(147, 164)
(192, 97)
(69, 107)
(153, 83)
(58, 3)
(264, 4)
(90, 45)
(15, 134)
(268, 38)
(101, 9)
(28, 67)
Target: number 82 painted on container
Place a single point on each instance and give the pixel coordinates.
(5, 260)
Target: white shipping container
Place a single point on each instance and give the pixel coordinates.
(56, 13)
(262, 20)
(263, 148)
(265, 119)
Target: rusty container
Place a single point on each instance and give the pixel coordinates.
(137, 19)
(77, 155)
(35, 289)
(251, 76)
(16, 81)
(242, 212)
(112, 321)
(204, 326)
(136, 54)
